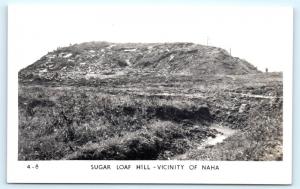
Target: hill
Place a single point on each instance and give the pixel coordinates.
(104, 60)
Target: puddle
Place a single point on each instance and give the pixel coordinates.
(210, 141)
(225, 132)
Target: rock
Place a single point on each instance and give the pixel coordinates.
(243, 108)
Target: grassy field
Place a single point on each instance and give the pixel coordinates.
(149, 117)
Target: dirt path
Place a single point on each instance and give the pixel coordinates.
(197, 95)
(256, 96)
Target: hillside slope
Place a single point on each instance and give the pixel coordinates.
(103, 59)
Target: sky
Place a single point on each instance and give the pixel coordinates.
(261, 35)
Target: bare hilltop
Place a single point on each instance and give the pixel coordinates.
(104, 60)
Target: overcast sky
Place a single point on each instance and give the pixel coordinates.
(262, 36)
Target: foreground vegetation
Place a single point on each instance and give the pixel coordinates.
(151, 117)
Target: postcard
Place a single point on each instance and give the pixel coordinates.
(149, 94)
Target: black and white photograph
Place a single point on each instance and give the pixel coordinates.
(137, 84)
(148, 101)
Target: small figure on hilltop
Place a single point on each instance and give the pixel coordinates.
(267, 70)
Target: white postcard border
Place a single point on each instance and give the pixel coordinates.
(230, 172)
